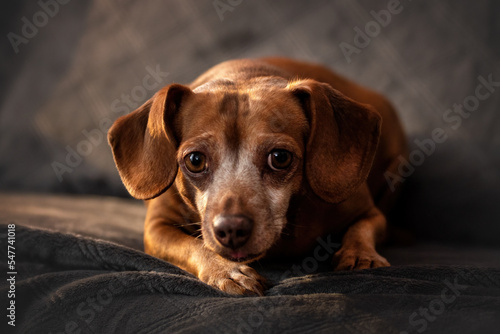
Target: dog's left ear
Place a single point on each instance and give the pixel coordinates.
(342, 141)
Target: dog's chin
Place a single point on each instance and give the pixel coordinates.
(238, 255)
(241, 257)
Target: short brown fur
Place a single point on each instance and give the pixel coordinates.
(236, 115)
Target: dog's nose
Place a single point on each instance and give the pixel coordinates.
(233, 231)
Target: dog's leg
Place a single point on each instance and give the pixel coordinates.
(358, 244)
(163, 239)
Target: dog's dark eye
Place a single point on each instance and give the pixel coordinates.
(279, 159)
(195, 162)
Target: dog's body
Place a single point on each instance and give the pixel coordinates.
(260, 158)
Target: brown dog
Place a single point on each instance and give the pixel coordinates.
(259, 157)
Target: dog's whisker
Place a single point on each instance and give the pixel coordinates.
(188, 224)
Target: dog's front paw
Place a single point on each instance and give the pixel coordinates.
(233, 278)
(358, 258)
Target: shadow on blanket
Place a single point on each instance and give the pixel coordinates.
(67, 283)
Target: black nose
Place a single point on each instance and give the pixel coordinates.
(233, 231)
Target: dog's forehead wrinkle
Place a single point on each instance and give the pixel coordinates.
(228, 104)
(233, 111)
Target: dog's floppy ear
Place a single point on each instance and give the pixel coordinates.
(144, 143)
(342, 141)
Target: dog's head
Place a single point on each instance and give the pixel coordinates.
(237, 152)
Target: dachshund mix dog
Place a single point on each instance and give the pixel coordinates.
(260, 158)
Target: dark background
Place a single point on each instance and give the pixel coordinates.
(67, 77)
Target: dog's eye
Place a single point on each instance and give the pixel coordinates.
(279, 159)
(195, 162)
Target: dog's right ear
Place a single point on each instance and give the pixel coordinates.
(144, 143)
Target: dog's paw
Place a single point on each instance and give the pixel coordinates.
(234, 278)
(358, 258)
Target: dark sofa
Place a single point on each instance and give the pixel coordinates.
(69, 69)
